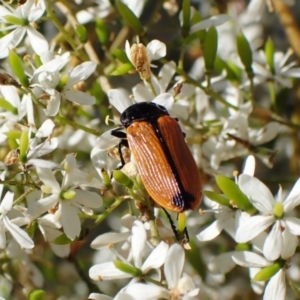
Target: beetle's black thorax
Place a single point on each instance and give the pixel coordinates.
(143, 111)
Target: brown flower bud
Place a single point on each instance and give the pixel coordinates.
(140, 59)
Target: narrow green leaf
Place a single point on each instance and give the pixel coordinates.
(217, 198)
(17, 66)
(101, 31)
(8, 107)
(126, 268)
(16, 21)
(233, 193)
(130, 18)
(186, 15)
(123, 69)
(196, 260)
(120, 55)
(268, 272)
(24, 143)
(210, 46)
(269, 52)
(81, 33)
(245, 52)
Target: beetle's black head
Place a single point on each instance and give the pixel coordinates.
(143, 111)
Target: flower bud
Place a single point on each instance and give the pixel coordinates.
(140, 59)
(123, 179)
(16, 21)
(268, 272)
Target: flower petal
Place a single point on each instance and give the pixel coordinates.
(293, 199)
(290, 243)
(156, 258)
(81, 72)
(87, 198)
(138, 241)
(249, 259)
(273, 243)
(174, 265)
(37, 208)
(156, 49)
(147, 291)
(253, 227)
(293, 224)
(258, 193)
(109, 238)
(106, 271)
(70, 220)
(22, 237)
(79, 97)
(38, 42)
(276, 288)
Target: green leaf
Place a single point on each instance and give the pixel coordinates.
(269, 52)
(196, 260)
(268, 272)
(24, 143)
(14, 134)
(8, 107)
(37, 295)
(245, 52)
(81, 33)
(120, 55)
(126, 268)
(16, 21)
(210, 46)
(186, 15)
(62, 240)
(101, 31)
(17, 66)
(130, 18)
(233, 193)
(217, 198)
(123, 69)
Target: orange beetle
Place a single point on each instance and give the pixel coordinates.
(164, 161)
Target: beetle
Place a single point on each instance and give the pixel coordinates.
(164, 161)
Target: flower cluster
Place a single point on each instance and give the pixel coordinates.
(77, 218)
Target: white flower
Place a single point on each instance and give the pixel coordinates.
(282, 71)
(276, 287)
(21, 237)
(179, 286)
(226, 217)
(141, 56)
(29, 12)
(237, 138)
(60, 86)
(282, 239)
(108, 271)
(65, 199)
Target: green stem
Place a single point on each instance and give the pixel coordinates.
(22, 197)
(64, 120)
(272, 95)
(149, 279)
(109, 209)
(150, 85)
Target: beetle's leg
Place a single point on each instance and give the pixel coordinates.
(172, 224)
(123, 142)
